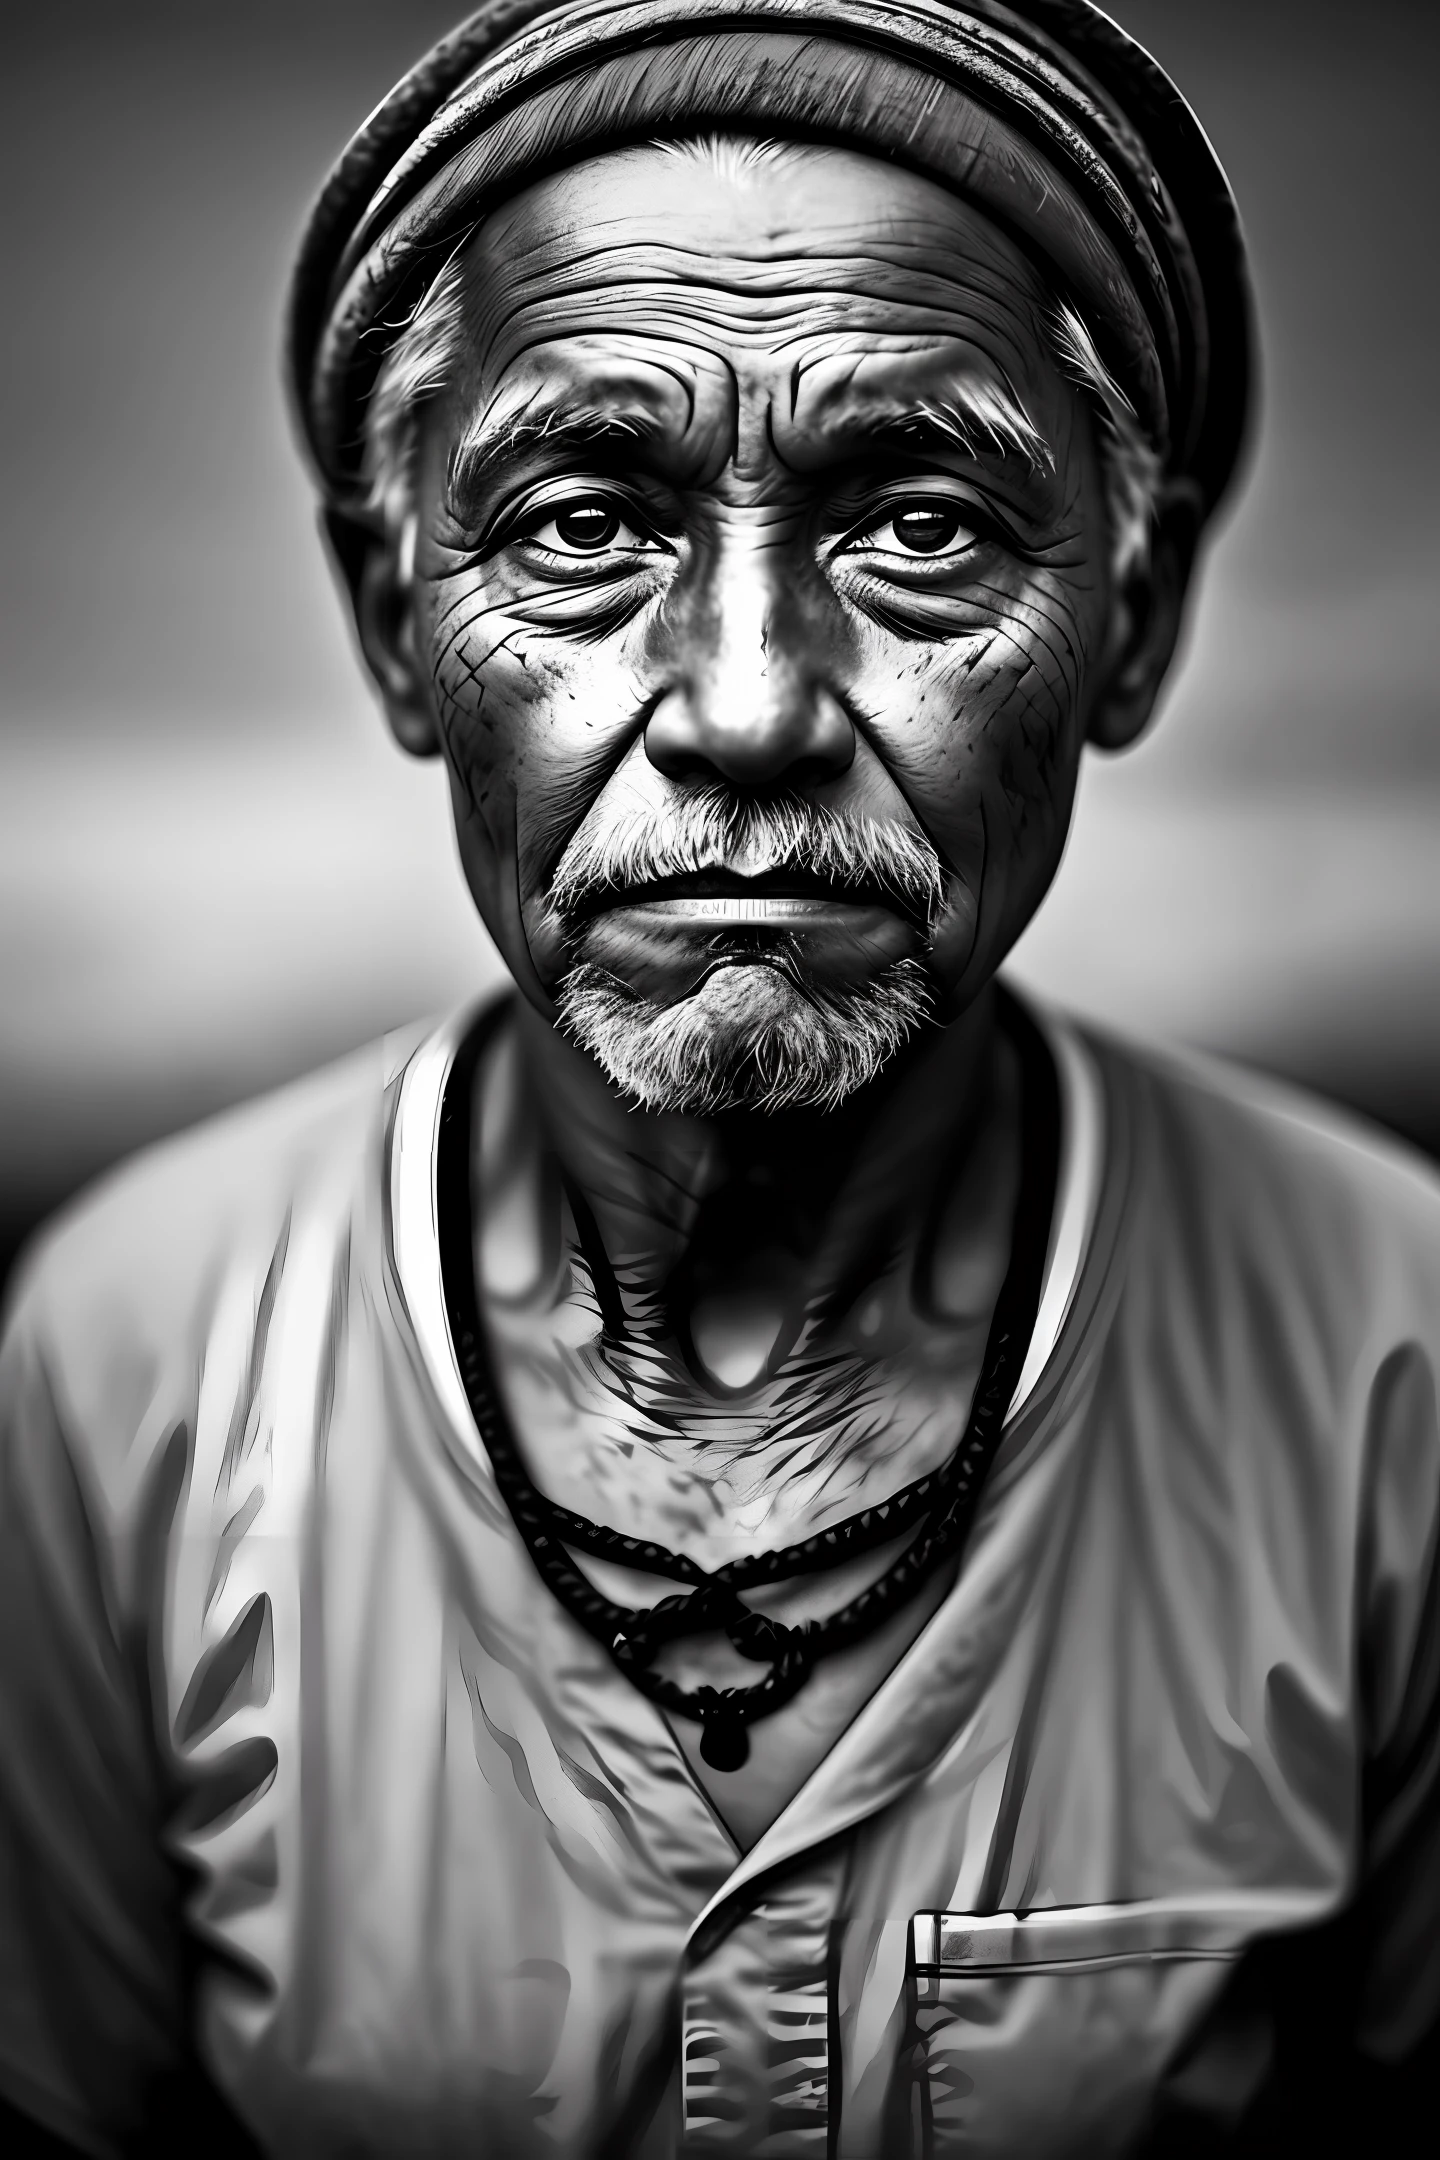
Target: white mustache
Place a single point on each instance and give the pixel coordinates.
(710, 829)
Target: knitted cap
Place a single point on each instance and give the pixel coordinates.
(1043, 113)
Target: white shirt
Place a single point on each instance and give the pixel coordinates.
(446, 1880)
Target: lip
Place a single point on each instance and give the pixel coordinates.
(777, 898)
(665, 947)
(777, 909)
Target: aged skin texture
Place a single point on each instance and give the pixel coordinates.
(761, 476)
(760, 373)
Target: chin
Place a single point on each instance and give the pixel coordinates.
(751, 1036)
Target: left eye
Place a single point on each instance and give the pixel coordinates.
(587, 526)
(917, 528)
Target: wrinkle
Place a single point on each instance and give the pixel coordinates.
(228, 1544)
(247, 1882)
(228, 1787)
(331, 1345)
(1399, 1573)
(591, 1870)
(603, 1796)
(247, 1401)
(510, 1747)
(237, 1672)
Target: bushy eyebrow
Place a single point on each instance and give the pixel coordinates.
(980, 420)
(986, 425)
(560, 427)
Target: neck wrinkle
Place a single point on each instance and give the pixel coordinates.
(827, 1188)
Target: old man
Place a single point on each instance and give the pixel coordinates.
(758, 1549)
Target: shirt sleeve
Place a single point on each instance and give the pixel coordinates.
(1398, 1905)
(1356, 2004)
(1342, 2021)
(91, 2022)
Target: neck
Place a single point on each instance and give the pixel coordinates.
(686, 1207)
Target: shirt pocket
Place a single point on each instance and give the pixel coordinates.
(1047, 2033)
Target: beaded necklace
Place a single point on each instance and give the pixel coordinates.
(939, 1507)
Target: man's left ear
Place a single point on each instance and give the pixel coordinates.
(1147, 613)
(377, 572)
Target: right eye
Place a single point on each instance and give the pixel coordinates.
(926, 525)
(586, 526)
(590, 525)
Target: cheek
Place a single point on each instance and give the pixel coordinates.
(980, 729)
(987, 718)
(530, 722)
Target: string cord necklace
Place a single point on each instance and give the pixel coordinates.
(939, 1507)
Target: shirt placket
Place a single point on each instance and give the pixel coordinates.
(758, 2059)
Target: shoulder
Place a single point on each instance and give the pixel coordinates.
(1225, 1161)
(1271, 1367)
(119, 1294)
(1277, 1285)
(146, 1233)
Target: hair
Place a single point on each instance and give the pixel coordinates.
(428, 349)
(1132, 466)
(420, 365)
(710, 827)
(753, 1036)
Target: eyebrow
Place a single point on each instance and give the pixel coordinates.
(558, 427)
(989, 427)
(981, 420)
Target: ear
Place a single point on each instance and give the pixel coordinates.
(1147, 612)
(377, 574)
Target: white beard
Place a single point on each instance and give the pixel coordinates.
(749, 1038)
(755, 1035)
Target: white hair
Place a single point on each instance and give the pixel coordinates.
(709, 828)
(1132, 466)
(754, 1036)
(422, 362)
(759, 1031)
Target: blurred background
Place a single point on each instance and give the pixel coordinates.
(215, 871)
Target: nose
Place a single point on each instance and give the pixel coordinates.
(751, 705)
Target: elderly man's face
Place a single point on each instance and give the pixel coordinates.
(762, 491)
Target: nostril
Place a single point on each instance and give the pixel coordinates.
(815, 771)
(673, 741)
(678, 763)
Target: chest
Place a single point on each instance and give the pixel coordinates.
(472, 1870)
(630, 1434)
(747, 1428)
(496, 1930)
(630, 1438)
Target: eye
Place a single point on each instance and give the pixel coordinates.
(923, 527)
(589, 525)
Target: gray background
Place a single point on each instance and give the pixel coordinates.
(214, 869)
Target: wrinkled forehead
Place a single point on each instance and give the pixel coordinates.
(655, 287)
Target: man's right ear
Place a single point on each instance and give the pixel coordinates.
(377, 575)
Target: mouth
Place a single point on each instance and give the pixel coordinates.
(779, 896)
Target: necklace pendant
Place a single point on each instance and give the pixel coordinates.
(724, 1744)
